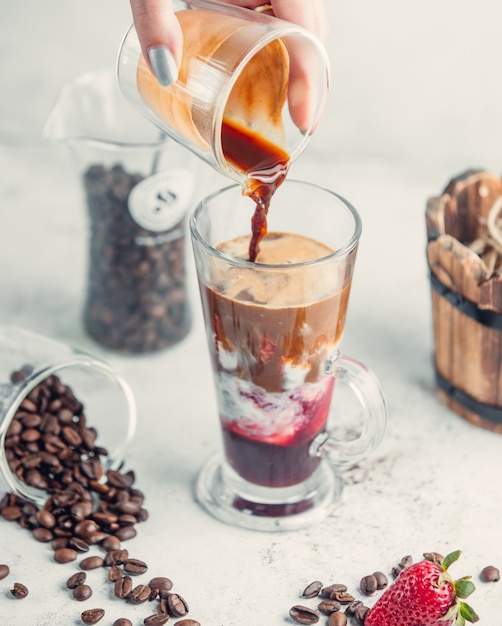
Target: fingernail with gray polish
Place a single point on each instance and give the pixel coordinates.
(163, 65)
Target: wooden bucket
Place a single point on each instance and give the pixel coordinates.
(464, 254)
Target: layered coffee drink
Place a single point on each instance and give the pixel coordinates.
(272, 331)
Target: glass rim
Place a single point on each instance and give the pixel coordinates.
(339, 253)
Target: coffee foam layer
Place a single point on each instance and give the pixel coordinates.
(278, 287)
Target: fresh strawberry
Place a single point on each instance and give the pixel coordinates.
(424, 594)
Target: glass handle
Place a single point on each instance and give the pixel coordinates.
(366, 389)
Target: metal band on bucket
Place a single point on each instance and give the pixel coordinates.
(491, 319)
(487, 411)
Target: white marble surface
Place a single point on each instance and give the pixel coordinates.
(434, 484)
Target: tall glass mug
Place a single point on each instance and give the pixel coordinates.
(274, 330)
(246, 78)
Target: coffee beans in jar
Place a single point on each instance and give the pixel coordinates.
(137, 298)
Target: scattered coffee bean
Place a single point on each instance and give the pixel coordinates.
(351, 608)
(337, 619)
(405, 562)
(42, 534)
(92, 616)
(114, 573)
(92, 562)
(82, 592)
(329, 606)
(136, 299)
(312, 590)
(303, 614)
(111, 543)
(135, 567)
(360, 613)
(140, 594)
(381, 579)
(157, 619)
(76, 579)
(176, 605)
(161, 583)
(45, 518)
(19, 591)
(435, 557)
(122, 621)
(368, 585)
(116, 557)
(85, 505)
(490, 574)
(342, 596)
(65, 555)
(187, 622)
(78, 544)
(327, 591)
(123, 587)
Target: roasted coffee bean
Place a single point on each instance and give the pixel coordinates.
(111, 543)
(135, 566)
(490, 574)
(86, 528)
(76, 579)
(327, 591)
(4, 571)
(78, 544)
(337, 619)
(126, 532)
(60, 542)
(123, 587)
(352, 607)
(434, 557)
(12, 513)
(44, 535)
(342, 596)
(161, 583)
(176, 605)
(303, 614)
(122, 621)
(368, 585)
(329, 606)
(187, 622)
(157, 619)
(114, 573)
(19, 591)
(81, 511)
(116, 557)
(381, 579)
(122, 481)
(82, 592)
(45, 518)
(360, 613)
(92, 616)
(312, 590)
(140, 594)
(92, 562)
(65, 555)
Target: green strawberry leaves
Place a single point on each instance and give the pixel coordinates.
(466, 614)
(450, 558)
(464, 587)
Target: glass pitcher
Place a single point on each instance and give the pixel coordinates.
(138, 185)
